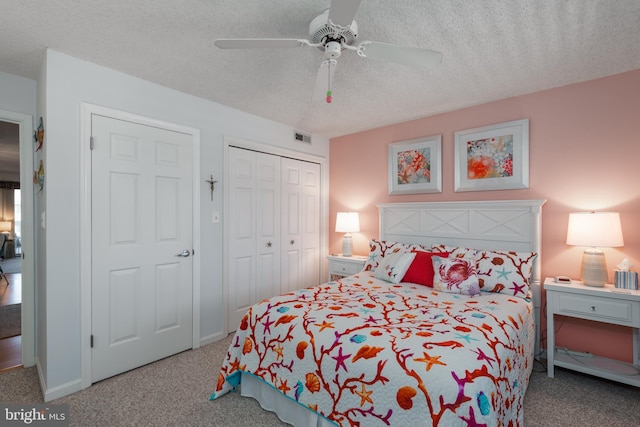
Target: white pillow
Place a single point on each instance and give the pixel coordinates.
(393, 267)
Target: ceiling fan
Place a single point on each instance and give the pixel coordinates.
(332, 32)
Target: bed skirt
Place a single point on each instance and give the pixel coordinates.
(288, 410)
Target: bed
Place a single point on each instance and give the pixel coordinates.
(376, 350)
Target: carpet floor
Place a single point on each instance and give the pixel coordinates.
(176, 390)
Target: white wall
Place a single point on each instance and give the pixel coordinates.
(69, 82)
(40, 239)
(17, 94)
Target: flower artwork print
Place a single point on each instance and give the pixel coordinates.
(490, 157)
(414, 166)
(494, 157)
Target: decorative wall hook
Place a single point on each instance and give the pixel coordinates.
(212, 184)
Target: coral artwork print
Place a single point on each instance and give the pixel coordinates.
(414, 166)
(490, 157)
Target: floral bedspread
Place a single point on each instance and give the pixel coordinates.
(364, 352)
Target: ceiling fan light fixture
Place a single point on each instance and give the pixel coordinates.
(332, 50)
(333, 31)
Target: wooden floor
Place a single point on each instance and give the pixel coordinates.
(11, 348)
(10, 353)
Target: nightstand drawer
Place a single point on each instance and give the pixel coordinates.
(618, 311)
(346, 268)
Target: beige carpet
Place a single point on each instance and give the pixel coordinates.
(175, 391)
(10, 320)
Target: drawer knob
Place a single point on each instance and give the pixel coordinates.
(594, 308)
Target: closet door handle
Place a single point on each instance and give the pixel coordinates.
(292, 242)
(269, 244)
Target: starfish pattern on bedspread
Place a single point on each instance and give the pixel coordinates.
(365, 352)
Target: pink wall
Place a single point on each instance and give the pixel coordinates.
(584, 146)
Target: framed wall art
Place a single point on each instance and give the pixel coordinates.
(494, 157)
(415, 166)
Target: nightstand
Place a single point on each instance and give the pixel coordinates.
(606, 304)
(342, 266)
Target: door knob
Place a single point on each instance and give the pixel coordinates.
(292, 242)
(184, 253)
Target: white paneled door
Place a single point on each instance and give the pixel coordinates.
(300, 224)
(310, 224)
(254, 230)
(274, 228)
(142, 269)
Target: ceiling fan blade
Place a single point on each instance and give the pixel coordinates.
(258, 43)
(413, 56)
(325, 76)
(342, 12)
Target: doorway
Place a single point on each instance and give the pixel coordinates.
(17, 286)
(10, 258)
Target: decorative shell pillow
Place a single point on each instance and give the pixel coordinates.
(393, 267)
(455, 275)
(379, 249)
(505, 272)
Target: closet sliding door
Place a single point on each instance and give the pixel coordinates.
(274, 228)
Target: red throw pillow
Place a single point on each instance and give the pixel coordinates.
(421, 269)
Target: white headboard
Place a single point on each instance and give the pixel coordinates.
(514, 225)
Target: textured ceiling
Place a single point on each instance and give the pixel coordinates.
(493, 49)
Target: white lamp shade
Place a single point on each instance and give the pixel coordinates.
(347, 222)
(595, 229)
(5, 225)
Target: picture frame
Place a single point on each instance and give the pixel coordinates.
(415, 166)
(494, 157)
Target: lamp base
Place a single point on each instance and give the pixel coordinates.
(347, 245)
(594, 268)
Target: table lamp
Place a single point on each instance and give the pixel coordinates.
(5, 226)
(594, 230)
(347, 222)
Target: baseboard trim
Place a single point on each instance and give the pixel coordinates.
(212, 338)
(56, 392)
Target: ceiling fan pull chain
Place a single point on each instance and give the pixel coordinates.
(329, 93)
